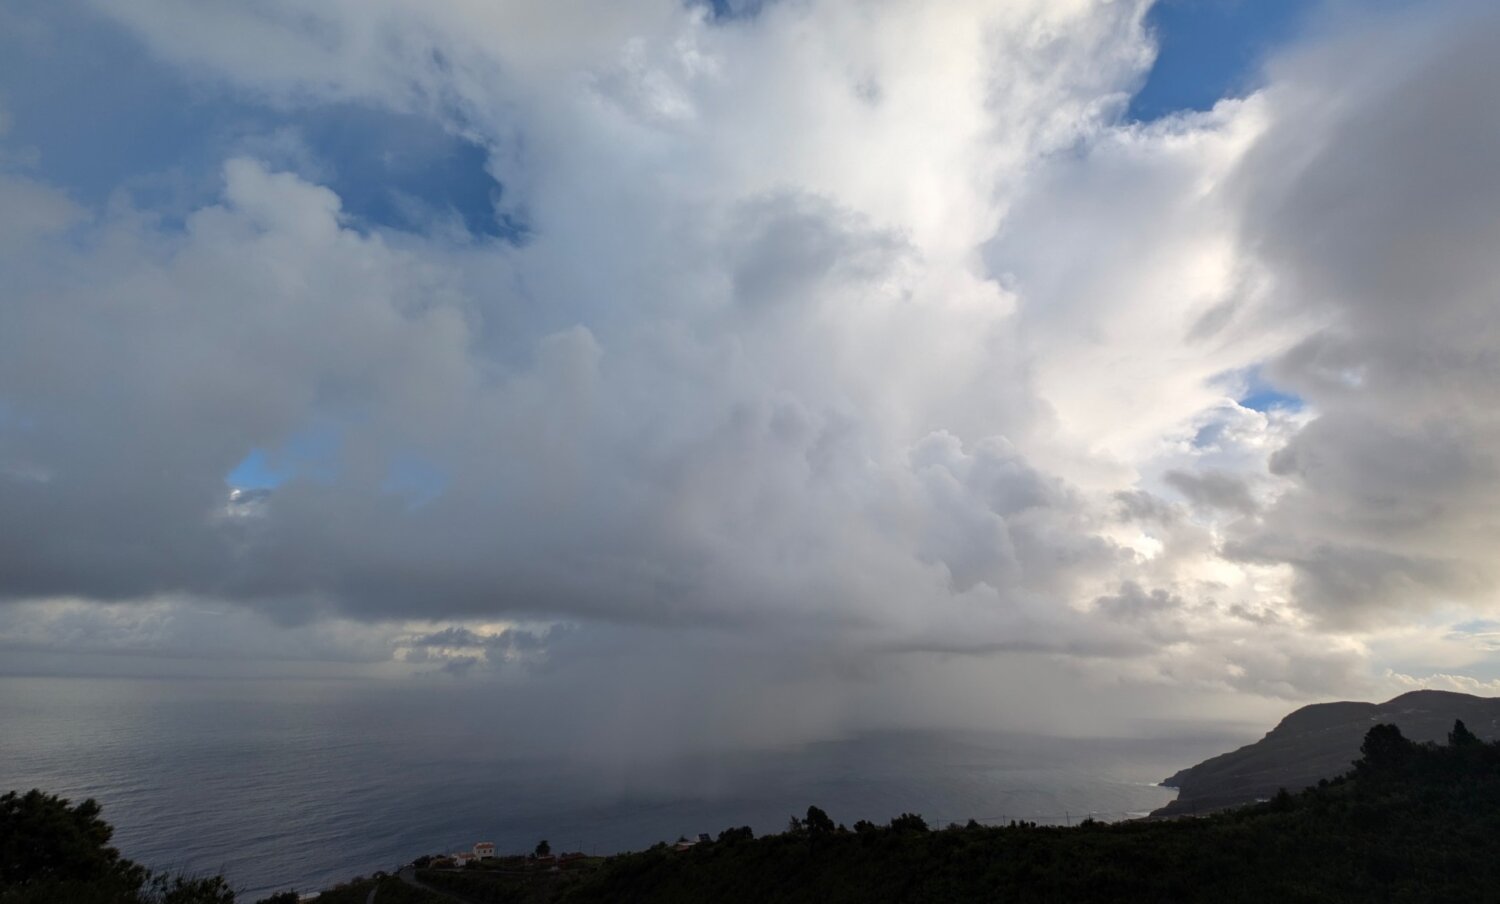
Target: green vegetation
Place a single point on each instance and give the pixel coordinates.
(388, 890)
(53, 851)
(1316, 742)
(512, 880)
(1412, 822)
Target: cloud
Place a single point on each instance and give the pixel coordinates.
(1214, 489)
(835, 335)
(700, 425)
(1463, 684)
(211, 635)
(1376, 229)
(1132, 602)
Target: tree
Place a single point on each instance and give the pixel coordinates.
(52, 851)
(818, 822)
(45, 839)
(909, 822)
(543, 849)
(182, 890)
(743, 833)
(1385, 749)
(1461, 736)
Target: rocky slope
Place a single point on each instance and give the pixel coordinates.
(1321, 741)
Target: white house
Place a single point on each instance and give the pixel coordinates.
(484, 849)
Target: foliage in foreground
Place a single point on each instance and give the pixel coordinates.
(53, 851)
(485, 887)
(388, 890)
(1410, 823)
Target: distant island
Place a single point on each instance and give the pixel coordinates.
(1411, 818)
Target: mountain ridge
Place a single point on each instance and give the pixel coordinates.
(1320, 741)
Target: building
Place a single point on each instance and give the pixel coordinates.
(484, 849)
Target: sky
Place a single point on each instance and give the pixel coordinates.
(756, 370)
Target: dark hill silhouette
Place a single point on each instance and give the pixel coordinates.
(1410, 822)
(1320, 742)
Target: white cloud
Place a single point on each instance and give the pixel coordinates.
(1463, 684)
(841, 332)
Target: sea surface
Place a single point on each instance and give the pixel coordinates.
(302, 784)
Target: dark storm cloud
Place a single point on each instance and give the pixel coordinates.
(782, 377)
(1214, 489)
(1134, 602)
(510, 639)
(1384, 228)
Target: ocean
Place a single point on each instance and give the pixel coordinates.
(301, 783)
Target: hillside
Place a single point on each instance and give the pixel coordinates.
(1319, 742)
(1410, 823)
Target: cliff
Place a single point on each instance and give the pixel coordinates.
(1320, 742)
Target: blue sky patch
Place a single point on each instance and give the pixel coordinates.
(403, 171)
(1260, 395)
(1479, 626)
(107, 117)
(1208, 435)
(1268, 399)
(1211, 49)
(1250, 389)
(256, 472)
(308, 453)
(733, 9)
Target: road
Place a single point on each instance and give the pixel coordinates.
(409, 876)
